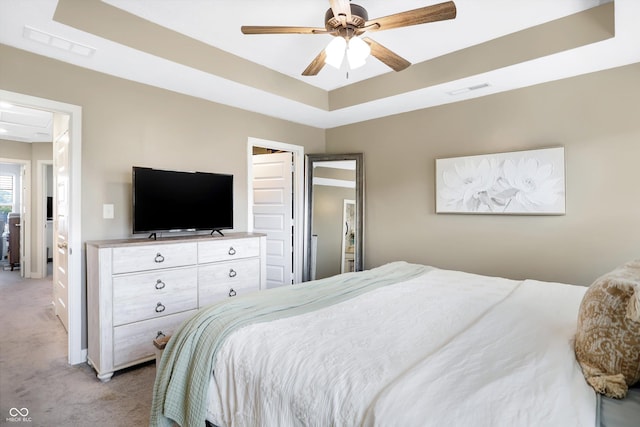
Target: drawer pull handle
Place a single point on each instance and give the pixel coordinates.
(160, 334)
(232, 293)
(232, 273)
(160, 308)
(159, 258)
(232, 251)
(160, 284)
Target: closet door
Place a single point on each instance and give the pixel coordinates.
(273, 213)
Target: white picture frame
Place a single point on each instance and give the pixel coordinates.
(528, 182)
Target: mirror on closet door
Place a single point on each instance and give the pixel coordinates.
(334, 208)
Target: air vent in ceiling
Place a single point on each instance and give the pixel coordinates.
(468, 89)
(57, 41)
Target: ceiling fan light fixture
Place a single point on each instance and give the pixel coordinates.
(357, 52)
(335, 52)
(345, 20)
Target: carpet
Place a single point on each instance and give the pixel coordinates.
(37, 385)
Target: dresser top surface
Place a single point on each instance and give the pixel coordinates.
(170, 239)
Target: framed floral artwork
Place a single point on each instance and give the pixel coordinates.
(519, 183)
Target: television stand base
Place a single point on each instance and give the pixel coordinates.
(217, 231)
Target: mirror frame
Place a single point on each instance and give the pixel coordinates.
(310, 160)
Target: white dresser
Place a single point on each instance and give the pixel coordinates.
(138, 289)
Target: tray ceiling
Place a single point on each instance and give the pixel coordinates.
(195, 47)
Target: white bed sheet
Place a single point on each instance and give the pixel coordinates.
(446, 348)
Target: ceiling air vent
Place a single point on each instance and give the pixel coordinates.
(57, 42)
(468, 89)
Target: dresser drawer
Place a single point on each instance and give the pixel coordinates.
(224, 250)
(154, 294)
(134, 342)
(227, 279)
(129, 259)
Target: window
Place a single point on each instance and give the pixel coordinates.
(7, 194)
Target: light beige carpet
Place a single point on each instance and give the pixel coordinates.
(34, 373)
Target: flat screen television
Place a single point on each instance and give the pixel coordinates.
(167, 200)
(49, 207)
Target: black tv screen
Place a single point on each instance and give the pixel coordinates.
(49, 207)
(165, 200)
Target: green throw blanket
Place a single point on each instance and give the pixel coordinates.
(180, 390)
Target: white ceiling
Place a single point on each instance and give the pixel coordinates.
(217, 23)
(22, 124)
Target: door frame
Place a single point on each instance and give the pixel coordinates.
(41, 218)
(75, 353)
(25, 214)
(298, 196)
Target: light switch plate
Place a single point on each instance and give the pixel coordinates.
(107, 211)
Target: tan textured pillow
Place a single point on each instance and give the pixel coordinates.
(607, 343)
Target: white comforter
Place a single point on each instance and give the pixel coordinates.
(444, 349)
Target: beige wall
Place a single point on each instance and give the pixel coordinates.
(15, 150)
(595, 117)
(127, 124)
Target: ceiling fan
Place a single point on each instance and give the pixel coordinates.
(347, 21)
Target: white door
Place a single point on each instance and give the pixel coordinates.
(61, 217)
(273, 213)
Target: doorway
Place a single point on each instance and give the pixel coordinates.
(293, 224)
(44, 219)
(32, 257)
(15, 209)
(72, 221)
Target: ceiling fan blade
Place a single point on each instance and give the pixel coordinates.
(257, 29)
(316, 65)
(391, 59)
(341, 11)
(423, 15)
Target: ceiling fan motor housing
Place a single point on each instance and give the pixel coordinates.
(359, 17)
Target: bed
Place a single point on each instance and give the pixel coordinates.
(401, 344)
